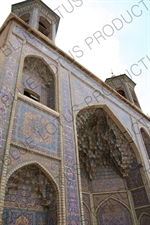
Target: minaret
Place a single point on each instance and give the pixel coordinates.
(39, 16)
(124, 86)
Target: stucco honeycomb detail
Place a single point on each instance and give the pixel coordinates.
(101, 143)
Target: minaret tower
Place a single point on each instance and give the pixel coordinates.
(39, 16)
(124, 86)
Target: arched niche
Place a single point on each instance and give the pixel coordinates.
(31, 197)
(38, 81)
(145, 219)
(101, 143)
(121, 92)
(146, 140)
(25, 17)
(113, 212)
(87, 217)
(44, 26)
(109, 160)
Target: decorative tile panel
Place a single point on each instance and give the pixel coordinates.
(36, 129)
(108, 184)
(142, 210)
(140, 197)
(7, 86)
(113, 213)
(73, 208)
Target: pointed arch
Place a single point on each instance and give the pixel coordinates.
(119, 124)
(144, 219)
(110, 201)
(113, 213)
(44, 61)
(100, 134)
(98, 128)
(146, 140)
(25, 17)
(121, 92)
(38, 164)
(44, 26)
(87, 216)
(38, 81)
(32, 192)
